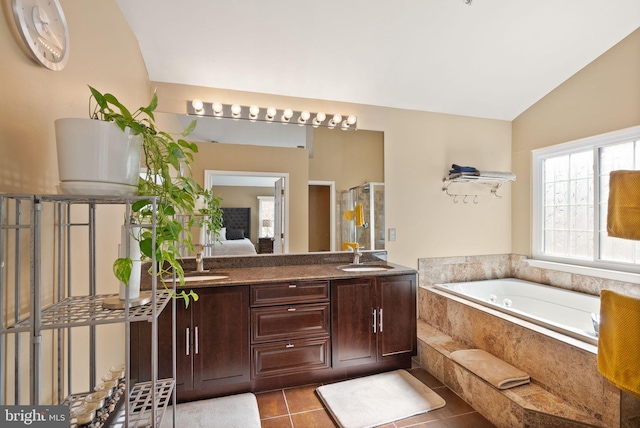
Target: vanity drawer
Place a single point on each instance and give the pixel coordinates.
(285, 293)
(288, 357)
(289, 322)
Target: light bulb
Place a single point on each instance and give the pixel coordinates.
(217, 109)
(304, 116)
(235, 111)
(334, 121)
(271, 113)
(253, 113)
(286, 115)
(198, 106)
(320, 117)
(345, 125)
(351, 120)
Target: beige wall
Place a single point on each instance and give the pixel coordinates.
(602, 97)
(348, 158)
(105, 54)
(419, 148)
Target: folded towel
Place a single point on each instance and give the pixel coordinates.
(498, 373)
(462, 169)
(348, 215)
(619, 341)
(498, 175)
(359, 215)
(623, 218)
(349, 245)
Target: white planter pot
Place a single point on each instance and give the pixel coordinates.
(97, 157)
(133, 288)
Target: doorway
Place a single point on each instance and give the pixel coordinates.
(321, 216)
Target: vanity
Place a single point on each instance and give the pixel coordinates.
(276, 321)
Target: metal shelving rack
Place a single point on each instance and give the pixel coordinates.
(144, 403)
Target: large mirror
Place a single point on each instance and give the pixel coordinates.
(301, 185)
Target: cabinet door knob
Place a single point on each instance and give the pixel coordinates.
(289, 345)
(293, 285)
(196, 339)
(188, 341)
(291, 309)
(380, 320)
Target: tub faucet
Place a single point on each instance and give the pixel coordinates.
(595, 318)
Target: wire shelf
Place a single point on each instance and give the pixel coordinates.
(81, 311)
(140, 405)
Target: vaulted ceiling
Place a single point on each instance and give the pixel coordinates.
(491, 59)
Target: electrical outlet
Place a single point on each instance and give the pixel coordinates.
(392, 234)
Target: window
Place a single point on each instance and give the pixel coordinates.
(265, 216)
(571, 192)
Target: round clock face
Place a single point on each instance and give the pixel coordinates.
(44, 30)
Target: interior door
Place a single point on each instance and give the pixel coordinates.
(320, 231)
(279, 217)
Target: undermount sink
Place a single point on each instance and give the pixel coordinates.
(364, 268)
(201, 276)
(204, 278)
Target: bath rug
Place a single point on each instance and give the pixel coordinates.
(378, 399)
(498, 373)
(233, 411)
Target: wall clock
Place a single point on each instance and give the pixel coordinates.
(43, 29)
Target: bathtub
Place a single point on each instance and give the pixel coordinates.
(564, 311)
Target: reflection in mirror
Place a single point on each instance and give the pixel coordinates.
(255, 203)
(328, 171)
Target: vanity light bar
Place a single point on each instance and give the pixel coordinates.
(271, 114)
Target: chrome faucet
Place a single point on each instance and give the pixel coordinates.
(200, 261)
(356, 255)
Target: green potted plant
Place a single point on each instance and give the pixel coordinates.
(176, 193)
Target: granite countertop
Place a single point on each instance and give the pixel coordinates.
(282, 268)
(259, 275)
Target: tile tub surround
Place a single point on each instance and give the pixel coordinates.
(437, 270)
(563, 367)
(528, 405)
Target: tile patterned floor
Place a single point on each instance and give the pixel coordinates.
(300, 407)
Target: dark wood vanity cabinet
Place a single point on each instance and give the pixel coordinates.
(373, 319)
(289, 328)
(212, 344)
(267, 336)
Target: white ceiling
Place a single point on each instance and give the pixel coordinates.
(492, 59)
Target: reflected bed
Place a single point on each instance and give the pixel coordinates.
(234, 238)
(234, 247)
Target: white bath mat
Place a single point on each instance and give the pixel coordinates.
(378, 399)
(234, 411)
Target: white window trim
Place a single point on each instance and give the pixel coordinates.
(608, 270)
(260, 199)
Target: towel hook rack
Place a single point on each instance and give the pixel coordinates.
(493, 191)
